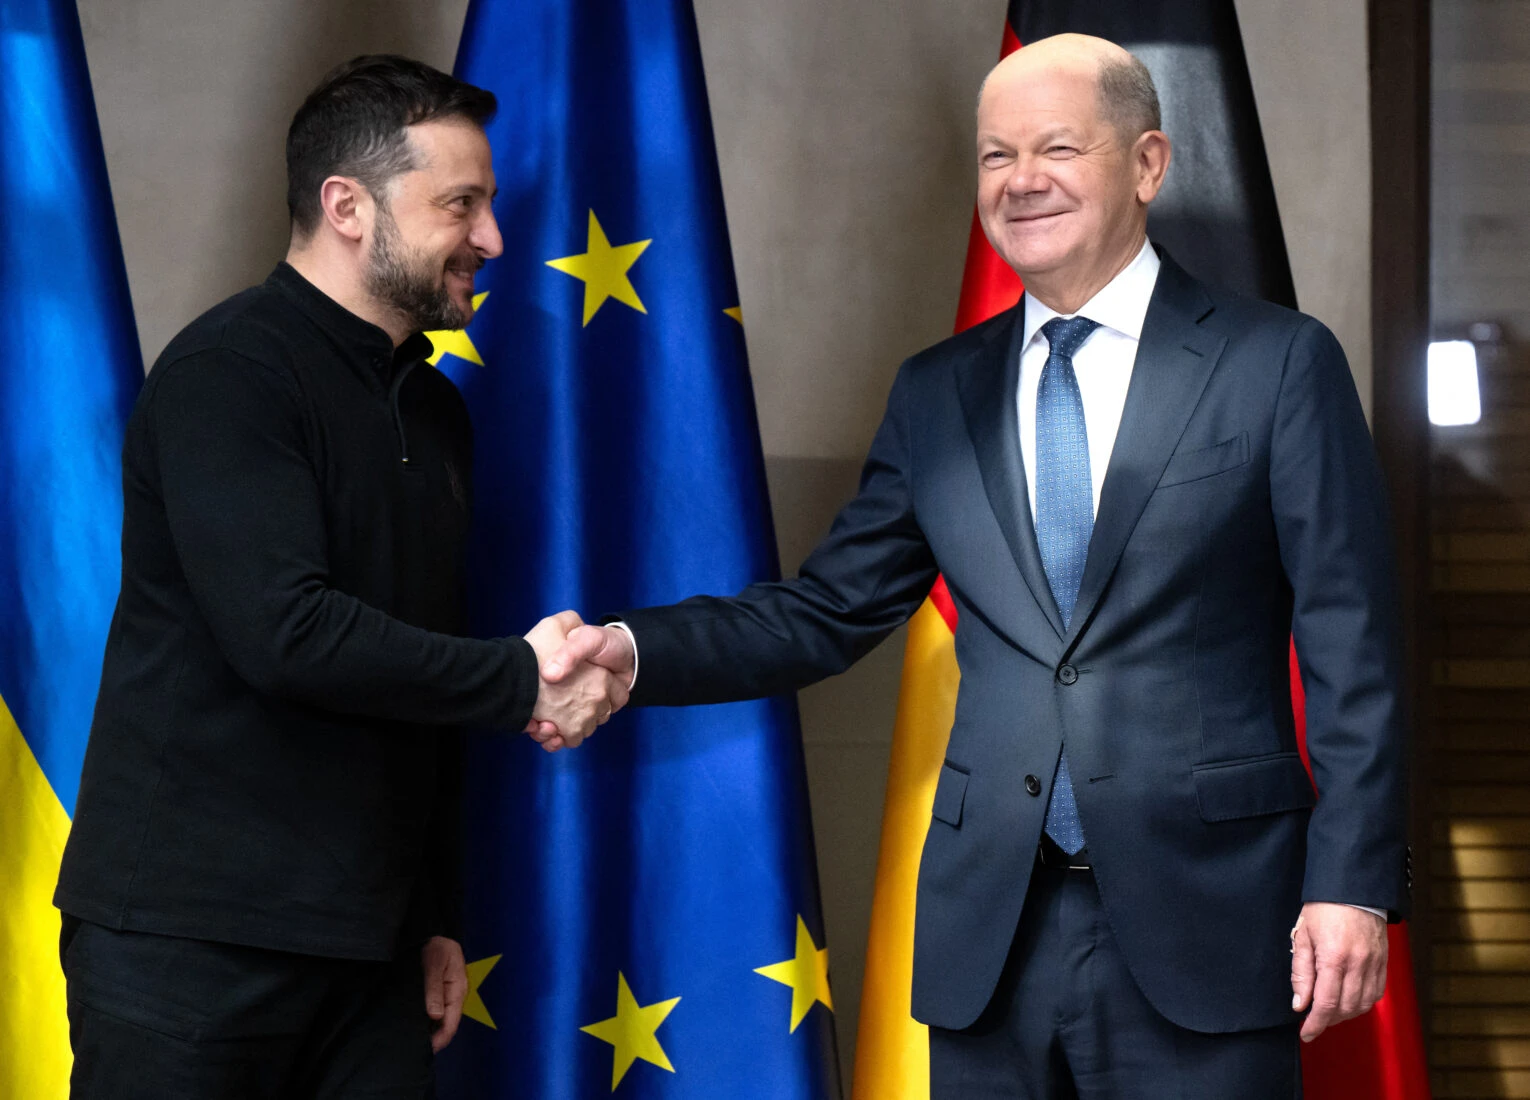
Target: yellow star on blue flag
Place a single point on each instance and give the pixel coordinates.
(632, 1031)
(603, 270)
(806, 973)
(472, 1005)
(456, 341)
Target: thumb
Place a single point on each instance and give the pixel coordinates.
(583, 644)
(1303, 969)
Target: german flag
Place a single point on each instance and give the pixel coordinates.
(1217, 215)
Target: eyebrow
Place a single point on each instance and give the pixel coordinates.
(1051, 134)
(469, 188)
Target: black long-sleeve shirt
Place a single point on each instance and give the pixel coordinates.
(283, 674)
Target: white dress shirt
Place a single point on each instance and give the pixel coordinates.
(1103, 364)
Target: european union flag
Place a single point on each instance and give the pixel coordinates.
(66, 388)
(643, 912)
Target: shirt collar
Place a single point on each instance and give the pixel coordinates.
(359, 338)
(1121, 304)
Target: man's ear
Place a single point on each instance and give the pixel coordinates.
(347, 206)
(1151, 155)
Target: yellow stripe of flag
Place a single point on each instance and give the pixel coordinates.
(892, 1052)
(34, 1033)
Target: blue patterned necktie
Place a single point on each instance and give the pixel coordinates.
(1064, 517)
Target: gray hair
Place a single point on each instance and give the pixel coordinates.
(1128, 99)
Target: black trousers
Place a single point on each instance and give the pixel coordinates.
(164, 1018)
(1069, 1023)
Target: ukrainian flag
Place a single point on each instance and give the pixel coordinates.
(642, 913)
(67, 383)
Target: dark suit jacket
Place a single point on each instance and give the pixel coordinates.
(1243, 503)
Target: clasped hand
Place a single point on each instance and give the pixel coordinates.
(584, 675)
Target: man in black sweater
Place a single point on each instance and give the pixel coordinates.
(262, 855)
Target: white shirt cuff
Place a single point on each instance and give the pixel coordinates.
(1382, 913)
(631, 637)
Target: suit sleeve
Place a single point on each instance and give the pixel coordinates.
(1335, 538)
(867, 576)
(246, 514)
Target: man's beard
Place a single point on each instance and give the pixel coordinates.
(409, 283)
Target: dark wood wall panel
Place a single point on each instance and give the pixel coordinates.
(1475, 740)
(1479, 763)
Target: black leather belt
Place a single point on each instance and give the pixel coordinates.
(1048, 854)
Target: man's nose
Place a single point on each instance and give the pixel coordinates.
(485, 237)
(1025, 178)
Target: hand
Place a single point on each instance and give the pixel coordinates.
(445, 987)
(1338, 964)
(581, 697)
(604, 646)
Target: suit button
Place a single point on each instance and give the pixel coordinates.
(1067, 675)
(1032, 786)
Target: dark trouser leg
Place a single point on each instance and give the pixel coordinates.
(372, 1039)
(1068, 1020)
(165, 1018)
(1012, 1052)
(1119, 1046)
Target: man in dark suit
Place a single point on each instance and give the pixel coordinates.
(1137, 489)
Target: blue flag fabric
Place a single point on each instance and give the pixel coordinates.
(642, 913)
(65, 390)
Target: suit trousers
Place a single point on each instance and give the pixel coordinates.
(1067, 1022)
(164, 1018)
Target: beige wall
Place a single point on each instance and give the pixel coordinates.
(1311, 77)
(1480, 229)
(843, 134)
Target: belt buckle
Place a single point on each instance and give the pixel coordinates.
(1053, 856)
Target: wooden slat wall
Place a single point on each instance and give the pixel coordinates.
(1479, 957)
(1478, 739)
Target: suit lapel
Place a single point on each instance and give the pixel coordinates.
(987, 384)
(1175, 358)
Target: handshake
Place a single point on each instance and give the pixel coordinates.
(585, 674)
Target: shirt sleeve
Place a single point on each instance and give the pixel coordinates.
(245, 509)
(627, 630)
